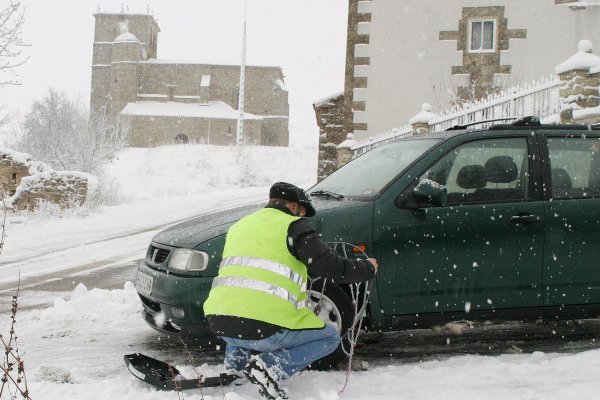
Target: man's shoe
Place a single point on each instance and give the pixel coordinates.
(259, 374)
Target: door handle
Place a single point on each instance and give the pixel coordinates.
(525, 219)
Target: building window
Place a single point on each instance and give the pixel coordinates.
(482, 35)
(205, 81)
(181, 139)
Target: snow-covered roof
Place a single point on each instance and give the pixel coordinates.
(211, 110)
(13, 155)
(24, 159)
(327, 99)
(582, 60)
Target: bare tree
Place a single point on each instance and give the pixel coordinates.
(448, 94)
(11, 44)
(98, 141)
(62, 133)
(12, 368)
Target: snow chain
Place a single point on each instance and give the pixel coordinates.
(359, 313)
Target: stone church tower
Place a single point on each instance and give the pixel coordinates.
(120, 42)
(170, 101)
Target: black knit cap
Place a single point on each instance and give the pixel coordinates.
(289, 192)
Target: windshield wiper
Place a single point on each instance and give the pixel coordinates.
(327, 193)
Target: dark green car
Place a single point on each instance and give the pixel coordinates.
(501, 223)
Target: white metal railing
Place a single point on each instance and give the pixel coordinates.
(540, 98)
(374, 141)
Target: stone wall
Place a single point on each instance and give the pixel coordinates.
(580, 89)
(181, 82)
(63, 188)
(332, 131)
(358, 13)
(11, 173)
(580, 93)
(149, 131)
(27, 182)
(274, 132)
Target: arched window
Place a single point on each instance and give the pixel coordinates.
(181, 139)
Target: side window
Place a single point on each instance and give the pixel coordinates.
(483, 171)
(574, 167)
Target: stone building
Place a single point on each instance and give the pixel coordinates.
(400, 54)
(170, 101)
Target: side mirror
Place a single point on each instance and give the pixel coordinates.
(429, 192)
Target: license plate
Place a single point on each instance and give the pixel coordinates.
(143, 283)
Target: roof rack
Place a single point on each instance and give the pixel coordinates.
(465, 126)
(529, 120)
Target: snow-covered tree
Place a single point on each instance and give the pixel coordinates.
(62, 133)
(11, 42)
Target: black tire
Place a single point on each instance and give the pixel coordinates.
(336, 309)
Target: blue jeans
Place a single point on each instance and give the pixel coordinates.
(287, 351)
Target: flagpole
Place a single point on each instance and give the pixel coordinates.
(240, 123)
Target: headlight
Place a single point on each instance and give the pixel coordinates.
(188, 260)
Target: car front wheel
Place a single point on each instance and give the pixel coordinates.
(334, 307)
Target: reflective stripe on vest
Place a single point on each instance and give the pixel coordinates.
(267, 265)
(246, 283)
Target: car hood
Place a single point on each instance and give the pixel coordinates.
(193, 232)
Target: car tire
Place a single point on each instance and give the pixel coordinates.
(335, 309)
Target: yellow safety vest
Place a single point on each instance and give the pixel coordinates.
(258, 277)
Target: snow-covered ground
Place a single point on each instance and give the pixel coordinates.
(74, 348)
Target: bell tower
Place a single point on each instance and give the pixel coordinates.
(119, 39)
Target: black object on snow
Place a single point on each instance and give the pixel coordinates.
(166, 377)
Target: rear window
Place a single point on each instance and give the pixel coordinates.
(574, 167)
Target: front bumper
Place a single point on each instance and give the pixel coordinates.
(171, 295)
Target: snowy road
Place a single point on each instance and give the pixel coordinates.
(45, 250)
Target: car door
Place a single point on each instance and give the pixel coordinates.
(480, 251)
(572, 251)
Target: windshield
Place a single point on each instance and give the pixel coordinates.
(368, 174)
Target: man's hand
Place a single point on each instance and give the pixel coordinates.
(374, 263)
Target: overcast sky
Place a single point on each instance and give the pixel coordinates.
(305, 37)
